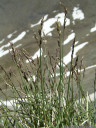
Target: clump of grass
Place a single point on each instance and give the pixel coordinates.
(48, 100)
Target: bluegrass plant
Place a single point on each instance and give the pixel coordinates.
(48, 100)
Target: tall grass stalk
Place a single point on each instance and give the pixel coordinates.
(60, 56)
(95, 100)
(40, 45)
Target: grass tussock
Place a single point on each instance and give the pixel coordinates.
(43, 99)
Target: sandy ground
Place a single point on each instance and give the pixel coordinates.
(19, 15)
